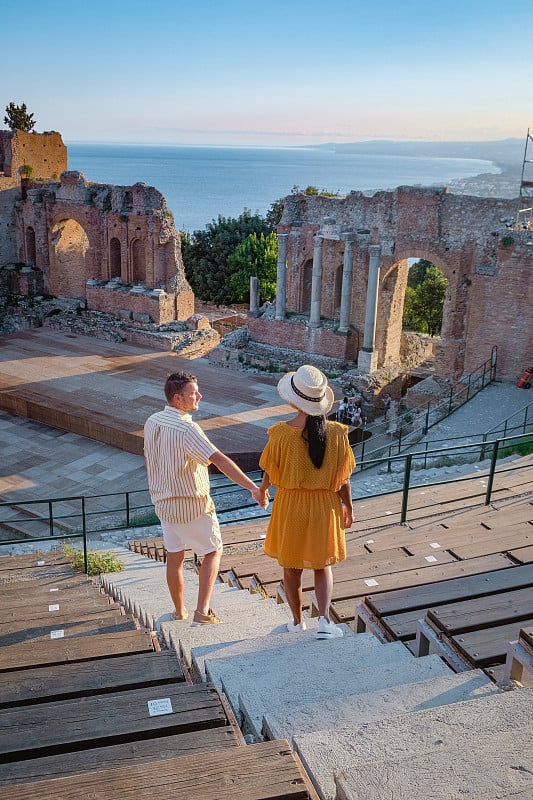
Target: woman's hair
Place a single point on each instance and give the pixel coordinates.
(314, 433)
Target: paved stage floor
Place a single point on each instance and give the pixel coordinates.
(72, 411)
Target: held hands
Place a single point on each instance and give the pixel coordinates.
(260, 496)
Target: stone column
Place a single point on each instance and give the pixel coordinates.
(346, 289)
(316, 283)
(281, 276)
(254, 295)
(368, 357)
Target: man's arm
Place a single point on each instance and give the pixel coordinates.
(235, 474)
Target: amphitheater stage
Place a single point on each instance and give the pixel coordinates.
(105, 391)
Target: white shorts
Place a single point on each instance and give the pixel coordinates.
(201, 535)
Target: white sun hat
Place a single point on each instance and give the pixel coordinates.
(308, 390)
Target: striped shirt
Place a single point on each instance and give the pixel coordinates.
(177, 453)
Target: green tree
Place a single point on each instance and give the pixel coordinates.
(17, 118)
(206, 252)
(274, 213)
(423, 305)
(257, 256)
(417, 272)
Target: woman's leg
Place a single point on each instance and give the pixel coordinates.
(292, 583)
(323, 590)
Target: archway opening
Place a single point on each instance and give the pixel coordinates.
(31, 253)
(138, 261)
(307, 276)
(114, 258)
(71, 252)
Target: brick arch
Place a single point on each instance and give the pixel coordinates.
(31, 252)
(138, 261)
(115, 258)
(70, 258)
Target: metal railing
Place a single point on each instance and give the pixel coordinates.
(413, 423)
(408, 464)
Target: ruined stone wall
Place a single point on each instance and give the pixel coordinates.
(140, 306)
(298, 336)
(45, 153)
(486, 303)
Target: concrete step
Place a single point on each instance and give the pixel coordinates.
(412, 735)
(313, 675)
(474, 766)
(143, 590)
(380, 704)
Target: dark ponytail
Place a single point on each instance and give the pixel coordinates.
(314, 433)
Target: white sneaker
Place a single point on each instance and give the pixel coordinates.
(292, 628)
(327, 630)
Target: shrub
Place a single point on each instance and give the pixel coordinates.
(98, 561)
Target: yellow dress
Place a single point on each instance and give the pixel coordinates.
(306, 525)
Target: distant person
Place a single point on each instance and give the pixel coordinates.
(387, 400)
(310, 461)
(342, 411)
(357, 419)
(177, 453)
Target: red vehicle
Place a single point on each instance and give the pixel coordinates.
(524, 381)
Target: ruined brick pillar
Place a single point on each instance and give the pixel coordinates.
(316, 282)
(346, 288)
(281, 276)
(368, 357)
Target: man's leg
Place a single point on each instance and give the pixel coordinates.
(175, 580)
(292, 583)
(323, 590)
(207, 577)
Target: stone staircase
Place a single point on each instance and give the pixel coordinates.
(368, 720)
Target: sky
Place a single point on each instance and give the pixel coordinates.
(273, 73)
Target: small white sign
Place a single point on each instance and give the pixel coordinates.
(53, 607)
(388, 512)
(41, 563)
(57, 634)
(371, 582)
(54, 590)
(435, 545)
(430, 558)
(369, 541)
(158, 707)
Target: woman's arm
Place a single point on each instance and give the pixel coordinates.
(345, 493)
(263, 489)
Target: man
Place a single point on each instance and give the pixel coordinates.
(177, 453)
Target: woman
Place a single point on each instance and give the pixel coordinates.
(310, 461)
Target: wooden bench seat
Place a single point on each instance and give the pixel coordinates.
(54, 605)
(487, 646)
(343, 608)
(54, 627)
(29, 560)
(22, 655)
(48, 728)
(264, 771)
(21, 590)
(397, 613)
(499, 542)
(463, 616)
(145, 751)
(63, 681)
(524, 555)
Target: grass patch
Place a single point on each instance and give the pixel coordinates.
(520, 447)
(98, 561)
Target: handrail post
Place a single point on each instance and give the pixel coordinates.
(50, 518)
(389, 464)
(450, 401)
(482, 449)
(426, 424)
(405, 490)
(84, 529)
(468, 388)
(128, 510)
(492, 470)
(363, 451)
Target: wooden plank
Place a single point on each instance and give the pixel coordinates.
(431, 573)
(102, 675)
(47, 606)
(47, 728)
(483, 612)
(21, 590)
(499, 543)
(38, 573)
(489, 645)
(524, 555)
(63, 626)
(344, 610)
(76, 648)
(29, 560)
(474, 584)
(145, 751)
(402, 626)
(264, 771)
(526, 635)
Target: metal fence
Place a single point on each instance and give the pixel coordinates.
(73, 517)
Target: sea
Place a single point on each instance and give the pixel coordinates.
(201, 183)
